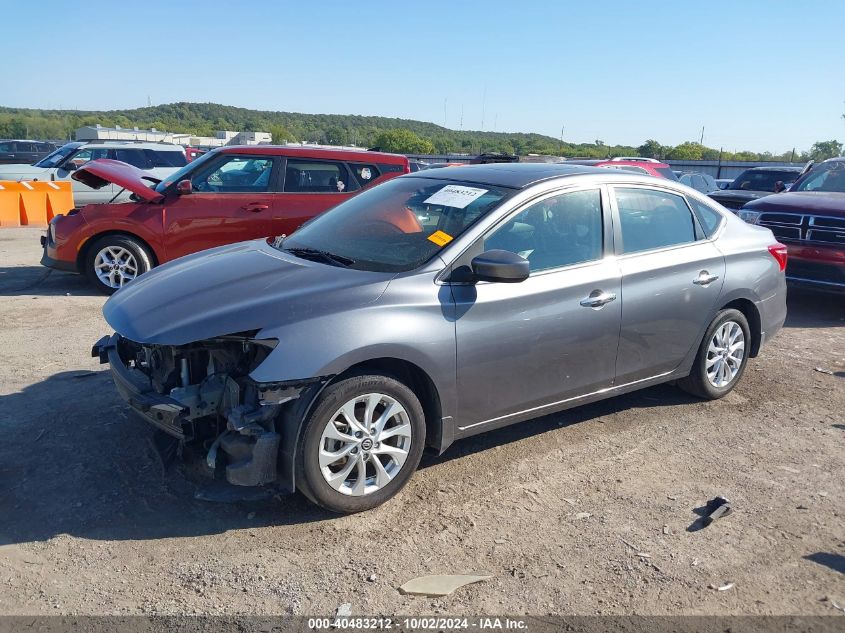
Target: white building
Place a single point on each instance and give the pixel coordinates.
(221, 138)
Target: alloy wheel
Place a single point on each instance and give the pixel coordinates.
(725, 354)
(115, 266)
(365, 444)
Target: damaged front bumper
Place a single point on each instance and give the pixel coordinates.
(202, 394)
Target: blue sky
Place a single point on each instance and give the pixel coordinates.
(757, 75)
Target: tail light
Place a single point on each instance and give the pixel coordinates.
(778, 251)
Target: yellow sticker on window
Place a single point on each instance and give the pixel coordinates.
(440, 238)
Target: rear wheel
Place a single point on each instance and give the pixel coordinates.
(113, 261)
(721, 358)
(361, 443)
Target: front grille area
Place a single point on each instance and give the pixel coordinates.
(805, 228)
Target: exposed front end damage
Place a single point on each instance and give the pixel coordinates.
(202, 395)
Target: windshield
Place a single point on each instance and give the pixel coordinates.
(762, 180)
(53, 159)
(827, 177)
(396, 226)
(666, 172)
(184, 172)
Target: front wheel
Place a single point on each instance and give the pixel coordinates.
(115, 260)
(361, 443)
(721, 358)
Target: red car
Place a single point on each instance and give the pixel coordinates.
(228, 195)
(649, 166)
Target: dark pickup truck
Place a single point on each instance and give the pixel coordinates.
(754, 183)
(810, 220)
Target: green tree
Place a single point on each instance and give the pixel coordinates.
(822, 150)
(336, 135)
(686, 151)
(403, 141)
(281, 134)
(651, 149)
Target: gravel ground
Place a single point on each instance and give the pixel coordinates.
(588, 511)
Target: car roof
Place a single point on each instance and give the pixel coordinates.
(775, 168)
(162, 147)
(513, 175)
(308, 152)
(614, 161)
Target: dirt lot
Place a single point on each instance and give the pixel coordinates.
(590, 511)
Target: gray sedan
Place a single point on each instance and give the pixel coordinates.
(436, 306)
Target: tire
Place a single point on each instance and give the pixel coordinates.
(402, 439)
(129, 255)
(727, 324)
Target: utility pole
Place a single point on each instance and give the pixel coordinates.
(462, 117)
(701, 141)
(445, 101)
(560, 148)
(483, 107)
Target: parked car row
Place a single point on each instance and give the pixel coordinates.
(810, 219)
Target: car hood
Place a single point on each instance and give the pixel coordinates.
(103, 171)
(235, 288)
(23, 172)
(819, 202)
(737, 194)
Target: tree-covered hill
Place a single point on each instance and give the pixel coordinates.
(203, 119)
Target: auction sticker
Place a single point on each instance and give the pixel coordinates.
(455, 196)
(440, 238)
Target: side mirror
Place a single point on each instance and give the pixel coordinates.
(500, 266)
(779, 186)
(70, 166)
(184, 187)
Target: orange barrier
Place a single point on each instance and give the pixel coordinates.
(33, 203)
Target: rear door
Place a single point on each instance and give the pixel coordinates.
(232, 201)
(672, 276)
(309, 187)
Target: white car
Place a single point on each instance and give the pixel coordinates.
(158, 159)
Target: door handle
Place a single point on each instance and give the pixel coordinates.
(597, 299)
(704, 278)
(255, 207)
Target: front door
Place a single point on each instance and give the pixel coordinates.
(232, 201)
(522, 347)
(671, 279)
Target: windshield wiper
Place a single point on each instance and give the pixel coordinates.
(313, 253)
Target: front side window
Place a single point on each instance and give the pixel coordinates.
(91, 153)
(313, 176)
(396, 226)
(7, 147)
(235, 174)
(559, 231)
(652, 219)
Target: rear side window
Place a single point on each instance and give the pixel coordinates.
(165, 159)
(707, 217)
(365, 173)
(134, 157)
(666, 172)
(652, 219)
(314, 176)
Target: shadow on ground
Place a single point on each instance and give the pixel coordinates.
(836, 562)
(16, 281)
(74, 461)
(808, 309)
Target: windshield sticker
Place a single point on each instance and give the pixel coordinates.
(366, 174)
(455, 196)
(440, 238)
